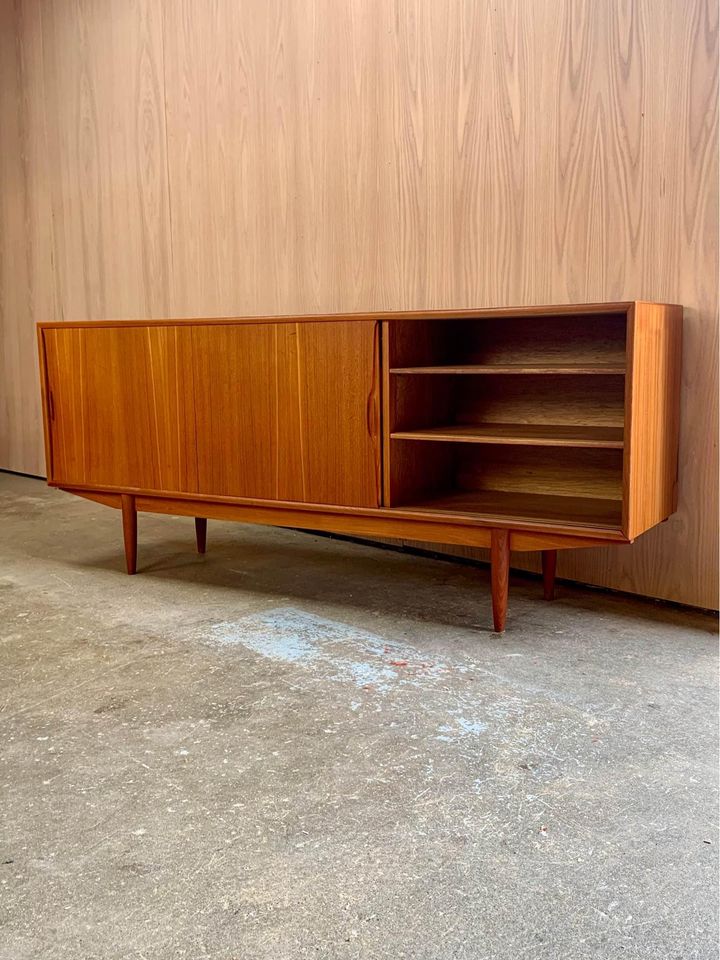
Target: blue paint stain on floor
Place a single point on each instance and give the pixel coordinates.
(331, 650)
(461, 727)
(289, 635)
(463, 704)
(470, 727)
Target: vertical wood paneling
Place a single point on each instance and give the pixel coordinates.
(273, 156)
(27, 274)
(195, 158)
(105, 115)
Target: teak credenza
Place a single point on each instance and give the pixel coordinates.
(534, 428)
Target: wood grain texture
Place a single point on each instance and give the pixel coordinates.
(201, 534)
(549, 565)
(533, 434)
(562, 472)
(499, 576)
(562, 512)
(288, 411)
(271, 411)
(529, 340)
(653, 412)
(27, 270)
(129, 524)
(121, 407)
(516, 369)
(104, 103)
(358, 525)
(377, 522)
(279, 158)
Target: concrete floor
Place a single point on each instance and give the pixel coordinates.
(299, 747)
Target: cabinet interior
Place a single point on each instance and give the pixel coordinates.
(521, 418)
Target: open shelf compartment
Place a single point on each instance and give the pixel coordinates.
(506, 505)
(572, 344)
(563, 486)
(476, 424)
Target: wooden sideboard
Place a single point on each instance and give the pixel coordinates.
(534, 428)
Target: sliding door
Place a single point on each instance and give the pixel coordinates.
(272, 411)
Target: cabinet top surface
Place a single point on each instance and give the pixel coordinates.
(554, 310)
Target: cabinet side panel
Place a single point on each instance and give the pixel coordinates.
(652, 415)
(45, 402)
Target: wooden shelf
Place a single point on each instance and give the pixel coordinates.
(526, 434)
(510, 505)
(612, 369)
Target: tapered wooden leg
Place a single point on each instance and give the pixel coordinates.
(129, 520)
(499, 575)
(549, 562)
(201, 533)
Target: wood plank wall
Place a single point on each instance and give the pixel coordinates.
(199, 157)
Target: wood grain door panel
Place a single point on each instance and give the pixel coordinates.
(236, 409)
(338, 377)
(277, 411)
(288, 411)
(120, 405)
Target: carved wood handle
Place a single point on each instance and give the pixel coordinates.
(371, 407)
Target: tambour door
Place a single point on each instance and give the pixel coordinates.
(275, 411)
(119, 407)
(288, 411)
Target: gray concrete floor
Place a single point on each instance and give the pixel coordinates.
(300, 747)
